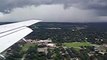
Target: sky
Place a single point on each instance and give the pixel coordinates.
(54, 10)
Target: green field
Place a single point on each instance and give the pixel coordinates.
(77, 44)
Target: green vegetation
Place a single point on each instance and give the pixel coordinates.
(33, 54)
(26, 47)
(80, 39)
(77, 44)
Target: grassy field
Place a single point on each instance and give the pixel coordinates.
(77, 44)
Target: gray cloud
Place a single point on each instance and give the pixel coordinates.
(99, 5)
(54, 10)
(51, 13)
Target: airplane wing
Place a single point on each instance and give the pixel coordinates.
(12, 33)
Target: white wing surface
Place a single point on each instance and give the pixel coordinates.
(12, 33)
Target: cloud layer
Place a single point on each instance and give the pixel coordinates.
(8, 5)
(54, 10)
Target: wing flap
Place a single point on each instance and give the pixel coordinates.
(7, 39)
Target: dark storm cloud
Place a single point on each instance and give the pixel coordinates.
(99, 5)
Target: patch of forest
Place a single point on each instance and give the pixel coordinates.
(70, 32)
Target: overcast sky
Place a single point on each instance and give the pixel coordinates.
(54, 10)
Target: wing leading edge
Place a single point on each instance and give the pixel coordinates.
(12, 33)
